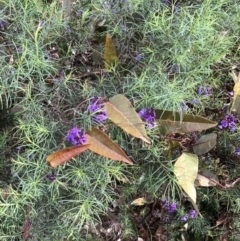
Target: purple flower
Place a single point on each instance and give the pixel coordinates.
(195, 101)
(57, 80)
(52, 176)
(184, 218)
(79, 12)
(192, 213)
(18, 148)
(204, 90)
(151, 36)
(76, 136)
(184, 106)
(148, 115)
(165, 204)
(232, 126)
(170, 207)
(237, 151)
(176, 7)
(96, 107)
(230, 118)
(138, 57)
(165, 1)
(165, 218)
(223, 124)
(155, 213)
(68, 28)
(2, 23)
(19, 50)
(174, 68)
(228, 121)
(42, 22)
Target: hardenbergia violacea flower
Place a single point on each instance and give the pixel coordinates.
(76, 136)
(148, 115)
(97, 109)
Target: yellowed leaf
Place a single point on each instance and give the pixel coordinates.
(236, 89)
(203, 181)
(139, 201)
(61, 156)
(104, 146)
(186, 171)
(110, 55)
(121, 112)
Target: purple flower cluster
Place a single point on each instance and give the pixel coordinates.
(237, 151)
(148, 115)
(169, 206)
(2, 23)
(204, 90)
(192, 214)
(76, 136)
(228, 122)
(42, 22)
(96, 107)
(138, 57)
(184, 106)
(52, 176)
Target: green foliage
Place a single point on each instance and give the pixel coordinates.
(52, 64)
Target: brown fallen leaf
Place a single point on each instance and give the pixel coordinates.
(104, 146)
(61, 156)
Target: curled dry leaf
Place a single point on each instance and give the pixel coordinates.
(61, 156)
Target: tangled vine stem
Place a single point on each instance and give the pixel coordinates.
(226, 185)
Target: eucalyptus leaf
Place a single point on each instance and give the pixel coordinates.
(174, 122)
(205, 144)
